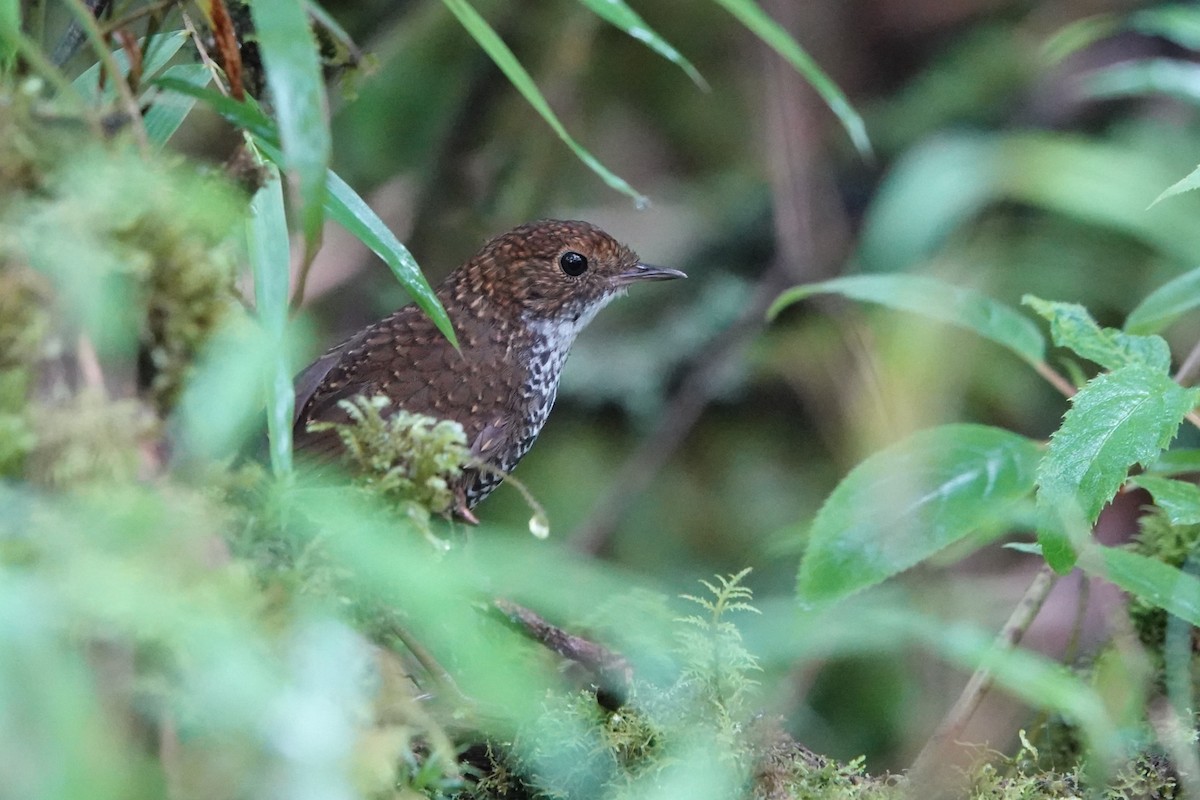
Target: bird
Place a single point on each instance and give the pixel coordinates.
(516, 306)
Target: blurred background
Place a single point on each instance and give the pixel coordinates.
(1015, 151)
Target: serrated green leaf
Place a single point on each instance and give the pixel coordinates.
(909, 501)
(1165, 304)
(1186, 184)
(1071, 326)
(937, 300)
(756, 20)
(1179, 500)
(618, 13)
(268, 247)
(293, 66)
(168, 111)
(499, 52)
(1119, 419)
(1149, 579)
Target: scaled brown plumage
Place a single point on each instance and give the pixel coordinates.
(516, 307)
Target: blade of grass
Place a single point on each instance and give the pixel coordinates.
(494, 46)
(628, 20)
(767, 29)
(267, 236)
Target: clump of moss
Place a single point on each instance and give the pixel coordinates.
(1171, 544)
(403, 457)
(88, 439)
(139, 249)
(24, 325)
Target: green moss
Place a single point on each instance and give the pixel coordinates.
(89, 439)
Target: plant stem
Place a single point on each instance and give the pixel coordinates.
(96, 37)
(977, 687)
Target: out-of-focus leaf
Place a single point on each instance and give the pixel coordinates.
(161, 50)
(1165, 304)
(1179, 23)
(498, 51)
(1179, 500)
(1174, 462)
(168, 111)
(1149, 579)
(1185, 184)
(1072, 326)
(935, 299)
(293, 67)
(909, 501)
(267, 236)
(765, 28)
(1079, 34)
(1120, 418)
(621, 15)
(1178, 79)
(949, 180)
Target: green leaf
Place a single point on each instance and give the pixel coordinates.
(1149, 579)
(1176, 461)
(1186, 184)
(1167, 76)
(289, 53)
(1179, 23)
(1165, 304)
(503, 57)
(937, 300)
(1120, 418)
(168, 112)
(267, 235)
(948, 181)
(765, 28)
(909, 501)
(1072, 326)
(1179, 500)
(621, 15)
(245, 114)
(351, 212)
(161, 50)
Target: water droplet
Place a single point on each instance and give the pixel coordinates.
(539, 526)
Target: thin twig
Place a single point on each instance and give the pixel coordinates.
(138, 13)
(89, 365)
(1055, 379)
(1190, 367)
(977, 687)
(83, 16)
(214, 69)
(608, 666)
(436, 671)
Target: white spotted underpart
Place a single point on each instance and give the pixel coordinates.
(552, 340)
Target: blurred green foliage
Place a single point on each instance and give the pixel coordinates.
(175, 622)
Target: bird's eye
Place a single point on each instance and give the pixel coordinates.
(572, 263)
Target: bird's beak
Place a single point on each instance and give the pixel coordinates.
(647, 272)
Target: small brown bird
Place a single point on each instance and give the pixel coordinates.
(516, 307)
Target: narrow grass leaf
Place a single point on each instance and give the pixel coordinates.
(929, 297)
(756, 20)
(1165, 76)
(289, 53)
(349, 210)
(1161, 585)
(906, 503)
(1179, 500)
(621, 15)
(269, 258)
(1118, 419)
(503, 57)
(244, 114)
(168, 111)
(1071, 326)
(161, 50)
(1166, 304)
(1179, 23)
